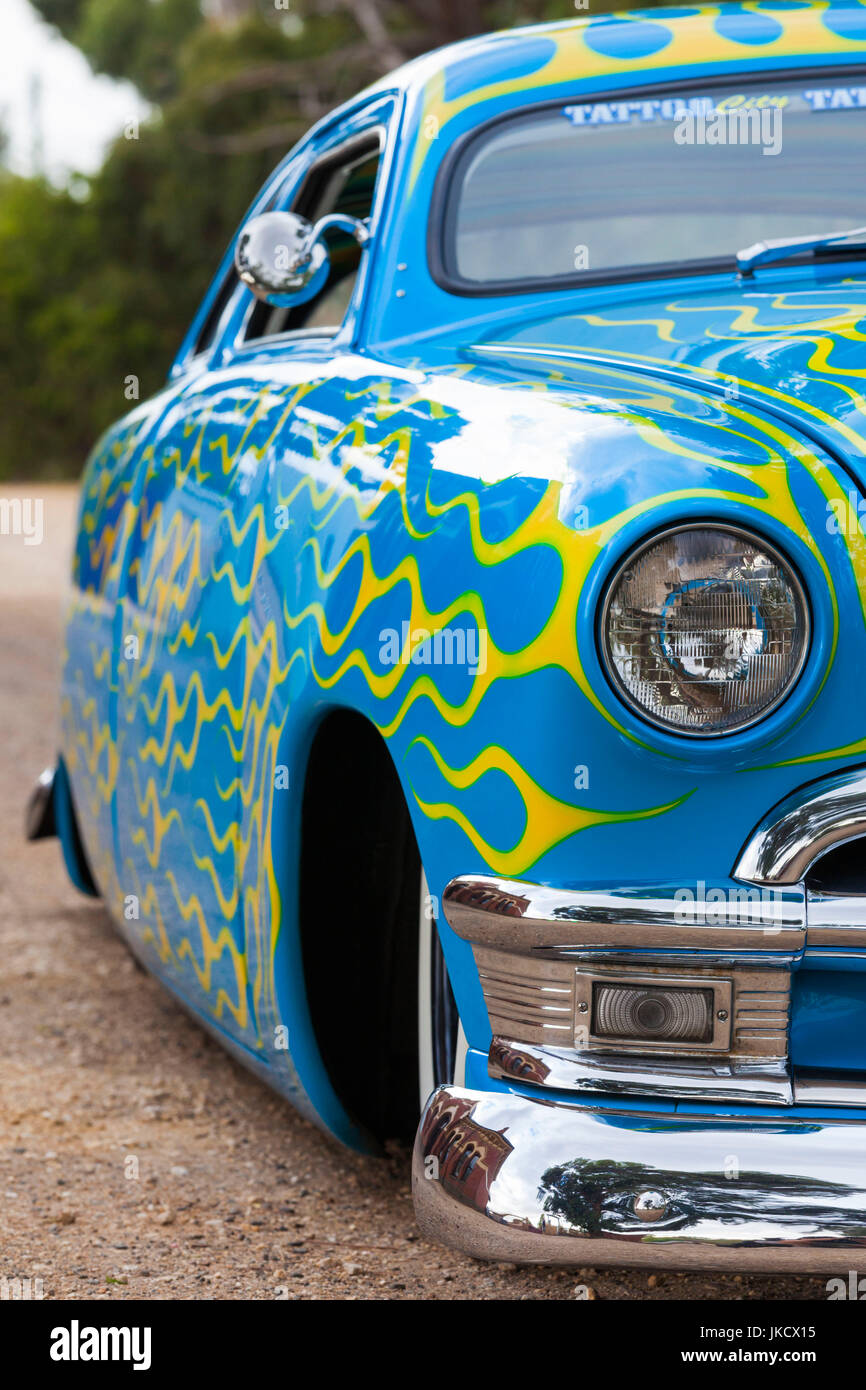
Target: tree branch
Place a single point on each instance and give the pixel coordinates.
(279, 74)
(455, 19)
(247, 141)
(369, 20)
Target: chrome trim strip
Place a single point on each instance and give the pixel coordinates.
(651, 924)
(636, 959)
(730, 1080)
(502, 1176)
(827, 953)
(662, 917)
(788, 841)
(830, 1091)
(835, 919)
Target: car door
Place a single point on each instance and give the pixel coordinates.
(88, 708)
(204, 665)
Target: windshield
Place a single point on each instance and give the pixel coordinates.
(656, 180)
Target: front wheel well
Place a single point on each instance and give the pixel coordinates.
(358, 907)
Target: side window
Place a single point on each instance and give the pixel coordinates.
(342, 181)
(208, 330)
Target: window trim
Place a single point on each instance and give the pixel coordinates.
(334, 155)
(209, 331)
(382, 109)
(443, 203)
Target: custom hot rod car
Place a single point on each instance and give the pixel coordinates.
(463, 677)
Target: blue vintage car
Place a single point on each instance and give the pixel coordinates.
(461, 706)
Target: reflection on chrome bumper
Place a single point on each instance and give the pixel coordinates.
(502, 1176)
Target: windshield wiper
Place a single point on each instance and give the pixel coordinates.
(781, 247)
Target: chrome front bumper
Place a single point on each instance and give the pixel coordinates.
(502, 1176)
(549, 1179)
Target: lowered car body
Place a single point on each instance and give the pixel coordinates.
(450, 515)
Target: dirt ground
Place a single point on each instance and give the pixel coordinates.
(137, 1160)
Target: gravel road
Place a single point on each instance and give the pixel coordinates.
(137, 1160)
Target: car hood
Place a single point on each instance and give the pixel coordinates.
(793, 352)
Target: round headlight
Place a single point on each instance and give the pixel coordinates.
(704, 629)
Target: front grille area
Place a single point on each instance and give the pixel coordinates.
(841, 870)
(762, 1009)
(781, 942)
(536, 1000)
(828, 1017)
(528, 998)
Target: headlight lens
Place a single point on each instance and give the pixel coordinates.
(705, 629)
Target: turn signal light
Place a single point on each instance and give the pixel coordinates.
(638, 1012)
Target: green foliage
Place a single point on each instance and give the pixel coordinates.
(135, 39)
(64, 14)
(48, 415)
(139, 41)
(100, 288)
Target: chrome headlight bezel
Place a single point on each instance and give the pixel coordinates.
(743, 533)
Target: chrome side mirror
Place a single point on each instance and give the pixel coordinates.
(282, 256)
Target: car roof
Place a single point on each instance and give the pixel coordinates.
(637, 41)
